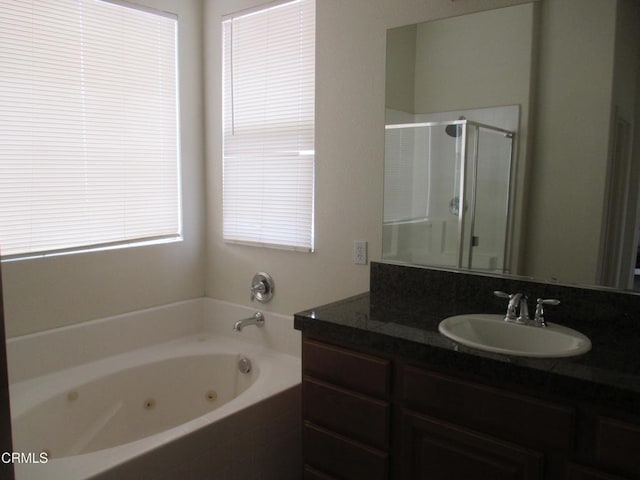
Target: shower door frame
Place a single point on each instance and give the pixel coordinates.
(509, 194)
(464, 123)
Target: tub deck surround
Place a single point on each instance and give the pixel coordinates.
(251, 412)
(49, 351)
(400, 316)
(40, 353)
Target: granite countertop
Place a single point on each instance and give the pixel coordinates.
(608, 375)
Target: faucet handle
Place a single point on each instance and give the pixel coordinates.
(548, 301)
(261, 288)
(258, 289)
(539, 316)
(513, 298)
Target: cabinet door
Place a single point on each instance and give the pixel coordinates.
(578, 472)
(362, 418)
(341, 457)
(618, 446)
(311, 473)
(437, 450)
(497, 412)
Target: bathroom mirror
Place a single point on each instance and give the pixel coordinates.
(560, 80)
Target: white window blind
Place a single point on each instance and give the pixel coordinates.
(268, 126)
(88, 125)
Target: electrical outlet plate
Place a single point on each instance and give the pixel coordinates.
(360, 252)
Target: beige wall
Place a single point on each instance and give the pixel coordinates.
(350, 86)
(400, 73)
(573, 115)
(475, 61)
(351, 36)
(44, 293)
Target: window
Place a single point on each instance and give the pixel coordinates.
(268, 126)
(88, 114)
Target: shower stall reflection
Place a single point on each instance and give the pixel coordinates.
(448, 195)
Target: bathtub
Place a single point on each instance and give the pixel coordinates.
(206, 403)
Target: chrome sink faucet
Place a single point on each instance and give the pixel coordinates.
(518, 309)
(524, 310)
(517, 302)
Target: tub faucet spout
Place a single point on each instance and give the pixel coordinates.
(256, 319)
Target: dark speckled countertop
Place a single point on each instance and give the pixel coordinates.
(406, 325)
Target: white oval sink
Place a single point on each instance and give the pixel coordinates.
(491, 333)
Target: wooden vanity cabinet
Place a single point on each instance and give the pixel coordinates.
(580, 472)
(346, 413)
(530, 421)
(360, 423)
(617, 445)
(484, 431)
(436, 450)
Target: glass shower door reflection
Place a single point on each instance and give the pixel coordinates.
(422, 179)
(490, 187)
(447, 195)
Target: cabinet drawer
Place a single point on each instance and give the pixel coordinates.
(618, 445)
(363, 418)
(526, 420)
(578, 472)
(342, 457)
(356, 371)
(313, 474)
(439, 450)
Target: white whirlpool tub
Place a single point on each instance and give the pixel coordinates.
(205, 403)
